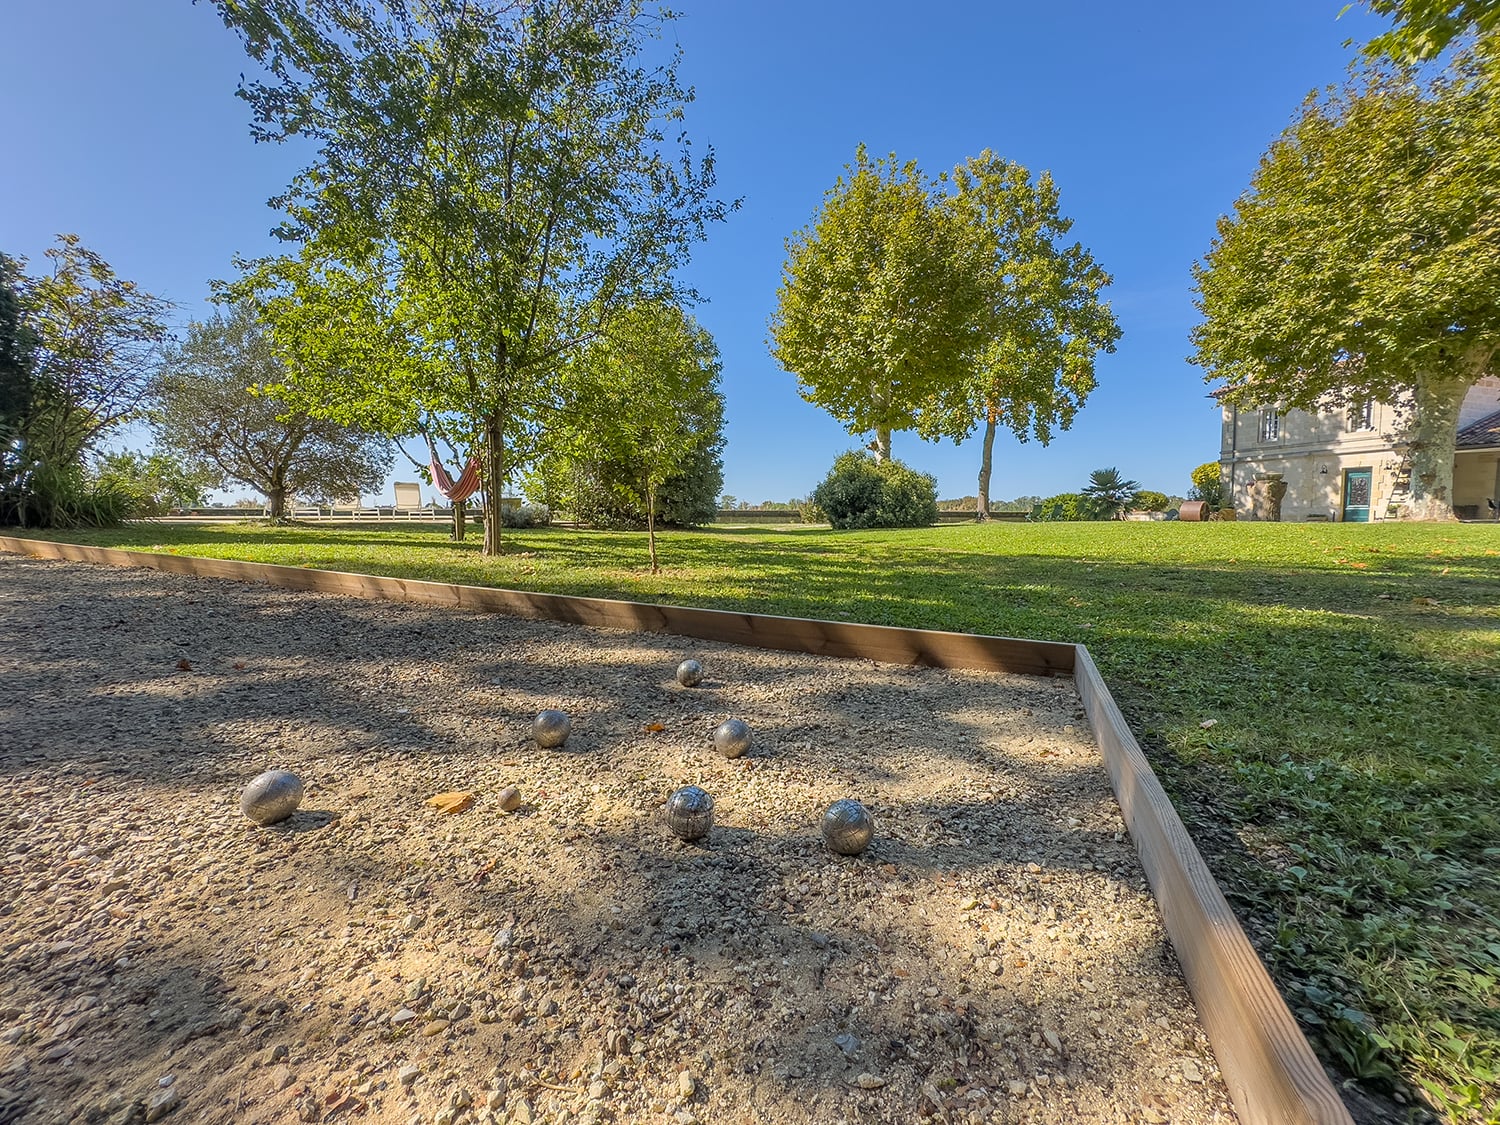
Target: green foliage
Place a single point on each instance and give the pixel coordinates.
(213, 413)
(1425, 27)
(607, 494)
(879, 309)
(493, 182)
(640, 429)
(861, 492)
(76, 349)
(1207, 485)
(1043, 319)
(1108, 495)
(158, 481)
(1149, 500)
(1364, 261)
(525, 515)
(1065, 506)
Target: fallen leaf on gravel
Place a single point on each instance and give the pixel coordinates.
(655, 728)
(450, 802)
(184, 666)
(239, 665)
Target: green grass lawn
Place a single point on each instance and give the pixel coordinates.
(1323, 702)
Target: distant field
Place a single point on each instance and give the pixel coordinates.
(1322, 700)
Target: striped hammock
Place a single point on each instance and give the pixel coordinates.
(461, 489)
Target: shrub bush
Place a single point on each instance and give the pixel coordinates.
(1148, 501)
(1063, 506)
(862, 492)
(526, 515)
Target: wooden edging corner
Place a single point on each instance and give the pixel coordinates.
(1271, 1072)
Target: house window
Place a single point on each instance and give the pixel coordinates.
(1361, 416)
(1270, 425)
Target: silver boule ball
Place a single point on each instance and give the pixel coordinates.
(690, 813)
(732, 738)
(848, 827)
(271, 797)
(550, 729)
(509, 798)
(690, 673)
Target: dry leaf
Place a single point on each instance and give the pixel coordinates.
(239, 665)
(451, 802)
(184, 666)
(1366, 566)
(655, 728)
(1206, 723)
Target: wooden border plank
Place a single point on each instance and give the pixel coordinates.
(889, 644)
(1272, 1074)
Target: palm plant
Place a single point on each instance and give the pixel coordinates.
(1109, 495)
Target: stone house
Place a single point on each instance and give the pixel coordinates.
(1348, 464)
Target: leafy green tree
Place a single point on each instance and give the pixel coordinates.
(1364, 261)
(606, 493)
(879, 308)
(1043, 321)
(1425, 27)
(1149, 500)
(1108, 495)
(90, 340)
(493, 183)
(211, 411)
(1207, 485)
(862, 491)
(16, 380)
(158, 481)
(646, 395)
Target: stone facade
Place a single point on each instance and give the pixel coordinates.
(1315, 454)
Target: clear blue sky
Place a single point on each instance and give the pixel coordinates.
(123, 127)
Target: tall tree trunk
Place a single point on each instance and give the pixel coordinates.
(460, 517)
(494, 466)
(986, 460)
(651, 524)
(882, 443)
(1434, 431)
(276, 501)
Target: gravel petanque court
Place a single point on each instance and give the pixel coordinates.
(993, 956)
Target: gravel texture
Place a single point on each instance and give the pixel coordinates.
(993, 956)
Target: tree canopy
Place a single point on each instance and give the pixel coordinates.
(643, 409)
(1043, 318)
(77, 347)
(1364, 261)
(212, 410)
(942, 305)
(879, 312)
(493, 183)
(1424, 28)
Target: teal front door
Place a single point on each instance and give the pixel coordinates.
(1357, 496)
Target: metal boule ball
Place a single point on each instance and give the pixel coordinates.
(509, 798)
(271, 797)
(732, 738)
(690, 813)
(550, 729)
(690, 673)
(848, 827)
